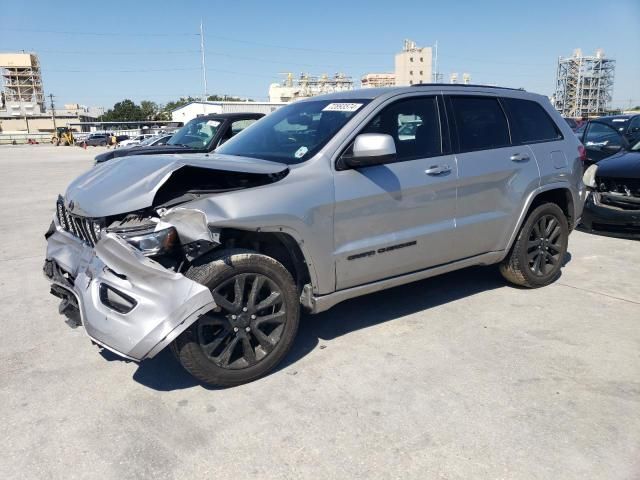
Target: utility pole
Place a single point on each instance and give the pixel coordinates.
(53, 113)
(204, 66)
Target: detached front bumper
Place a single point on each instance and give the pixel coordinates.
(128, 303)
(598, 217)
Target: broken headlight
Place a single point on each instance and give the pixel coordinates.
(152, 243)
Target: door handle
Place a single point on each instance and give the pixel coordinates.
(437, 170)
(519, 157)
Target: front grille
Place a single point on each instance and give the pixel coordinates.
(624, 186)
(620, 201)
(86, 229)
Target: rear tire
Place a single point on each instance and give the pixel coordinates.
(252, 328)
(537, 255)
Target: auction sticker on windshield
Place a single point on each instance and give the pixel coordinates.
(342, 107)
(213, 123)
(301, 152)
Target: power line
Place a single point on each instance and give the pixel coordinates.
(154, 70)
(110, 52)
(302, 49)
(280, 62)
(104, 34)
(145, 70)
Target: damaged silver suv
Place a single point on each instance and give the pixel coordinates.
(323, 200)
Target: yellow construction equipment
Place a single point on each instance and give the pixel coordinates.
(63, 136)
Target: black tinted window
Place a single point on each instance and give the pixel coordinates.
(530, 122)
(414, 125)
(480, 123)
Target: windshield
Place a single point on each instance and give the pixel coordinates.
(294, 133)
(197, 133)
(149, 140)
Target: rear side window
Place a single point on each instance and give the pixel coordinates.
(480, 123)
(530, 122)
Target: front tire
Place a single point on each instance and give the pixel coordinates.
(253, 326)
(538, 253)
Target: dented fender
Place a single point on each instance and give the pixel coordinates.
(128, 303)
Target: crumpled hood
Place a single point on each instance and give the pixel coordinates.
(621, 165)
(143, 150)
(128, 184)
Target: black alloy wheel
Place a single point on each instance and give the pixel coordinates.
(544, 249)
(538, 253)
(253, 324)
(247, 324)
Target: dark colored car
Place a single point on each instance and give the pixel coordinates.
(97, 139)
(601, 140)
(627, 125)
(200, 135)
(572, 123)
(613, 206)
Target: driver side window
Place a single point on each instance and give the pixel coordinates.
(413, 124)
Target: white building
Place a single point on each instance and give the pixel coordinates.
(414, 64)
(197, 109)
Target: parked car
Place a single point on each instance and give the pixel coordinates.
(215, 254)
(573, 124)
(613, 207)
(200, 135)
(135, 140)
(97, 139)
(155, 140)
(601, 140)
(627, 125)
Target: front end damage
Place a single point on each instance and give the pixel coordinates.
(128, 303)
(120, 274)
(613, 208)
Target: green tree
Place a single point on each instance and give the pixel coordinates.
(149, 109)
(122, 111)
(224, 98)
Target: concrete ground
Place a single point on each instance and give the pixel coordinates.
(455, 377)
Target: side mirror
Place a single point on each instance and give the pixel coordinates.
(589, 177)
(370, 149)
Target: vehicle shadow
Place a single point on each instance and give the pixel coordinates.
(164, 373)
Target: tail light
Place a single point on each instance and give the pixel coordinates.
(582, 153)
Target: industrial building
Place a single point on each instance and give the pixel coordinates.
(376, 80)
(412, 65)
(196, 109)
(22, 100)
(308, 86)
(22, 83)
(454, 79)
(584, 84)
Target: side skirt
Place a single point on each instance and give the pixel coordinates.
(317, 304)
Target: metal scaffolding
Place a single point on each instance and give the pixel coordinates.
(22, 79)
(584, 84)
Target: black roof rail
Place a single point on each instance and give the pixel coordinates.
(464, 85)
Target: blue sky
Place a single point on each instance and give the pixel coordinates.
(98, 53)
